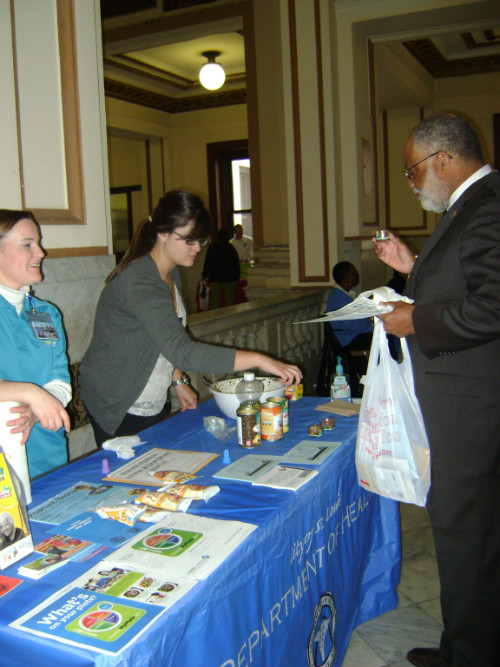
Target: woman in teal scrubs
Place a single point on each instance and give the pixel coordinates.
(33, 363)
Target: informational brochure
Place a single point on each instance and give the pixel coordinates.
(286, 477)
(39, 567)
(367, 304)
(79, 498)
(58, 549)
(249, 468)
(183, 545)
(310, 452)
(138, 470)
(90, 526)
(89, 619)
(15, 536)
(151, 587)
(7, 584)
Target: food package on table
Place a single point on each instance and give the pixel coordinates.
(165, 501)
(171, 477)
(194, 491)
(152, 515)
(124, 513)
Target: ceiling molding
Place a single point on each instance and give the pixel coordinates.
(128, 93)
(430, 57)
(162, 76)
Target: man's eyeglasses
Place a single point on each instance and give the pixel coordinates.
(202, 242)
(407, 172)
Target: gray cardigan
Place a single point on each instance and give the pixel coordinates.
(136, 322)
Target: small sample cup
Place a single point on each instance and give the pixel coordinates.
(381, 235)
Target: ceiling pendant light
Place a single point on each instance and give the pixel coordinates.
(212, 76)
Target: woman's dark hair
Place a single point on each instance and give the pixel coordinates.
(175, 210)
(9, 218)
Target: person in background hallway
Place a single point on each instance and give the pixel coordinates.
(453, 332)
(244, 248)
(139, 346)
(33, 364)
(243, 244)
(351, 334)
(222, 270)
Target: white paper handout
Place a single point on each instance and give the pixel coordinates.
(183, 545)
(367, 304)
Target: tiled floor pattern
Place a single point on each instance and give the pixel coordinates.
(416, 621)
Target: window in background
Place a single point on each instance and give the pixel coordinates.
(241, 195)
(230, 198)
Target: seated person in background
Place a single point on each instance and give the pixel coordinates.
(351, 334)
(222, 270)
(397, 282)
(33, 364)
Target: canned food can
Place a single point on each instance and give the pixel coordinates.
(283, 401)
(271, 421)
(248, 427)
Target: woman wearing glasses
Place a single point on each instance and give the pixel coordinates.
(139, 346)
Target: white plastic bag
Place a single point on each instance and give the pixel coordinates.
(392, 450)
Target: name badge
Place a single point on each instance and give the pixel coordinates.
(42, 326)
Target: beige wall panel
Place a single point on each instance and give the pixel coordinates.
(404, 210)
(191, 132)
(310, 139)
(270, 99)
(10, 185)
(478, 100)
(40, 106)
(39, 109)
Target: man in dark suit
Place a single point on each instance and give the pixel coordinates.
(453, 331)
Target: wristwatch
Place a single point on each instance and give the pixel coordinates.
(182, 380)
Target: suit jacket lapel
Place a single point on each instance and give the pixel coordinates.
(442, 227)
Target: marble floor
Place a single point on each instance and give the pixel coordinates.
(417, 620)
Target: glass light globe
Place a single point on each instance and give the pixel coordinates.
(212, 76)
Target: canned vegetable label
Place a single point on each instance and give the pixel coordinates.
(271, 421)
(283, 401)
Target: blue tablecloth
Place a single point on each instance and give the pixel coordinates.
(323, 560)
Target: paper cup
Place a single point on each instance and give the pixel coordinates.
(15, 453)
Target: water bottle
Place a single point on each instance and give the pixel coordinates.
(340, 383)
(249, 390)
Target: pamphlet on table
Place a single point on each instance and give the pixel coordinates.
(183, 545)
(286, 477)
(58, 549)
(150, 586)
(81, 497)
(248, 468)
(15, 536)
(140, 470)
(310, 452)
(8, 584)
(89, 619)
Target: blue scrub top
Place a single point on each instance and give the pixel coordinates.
(346, 330)
(24, 358)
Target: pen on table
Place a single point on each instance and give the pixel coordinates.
(263, 465)
(320, 451)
